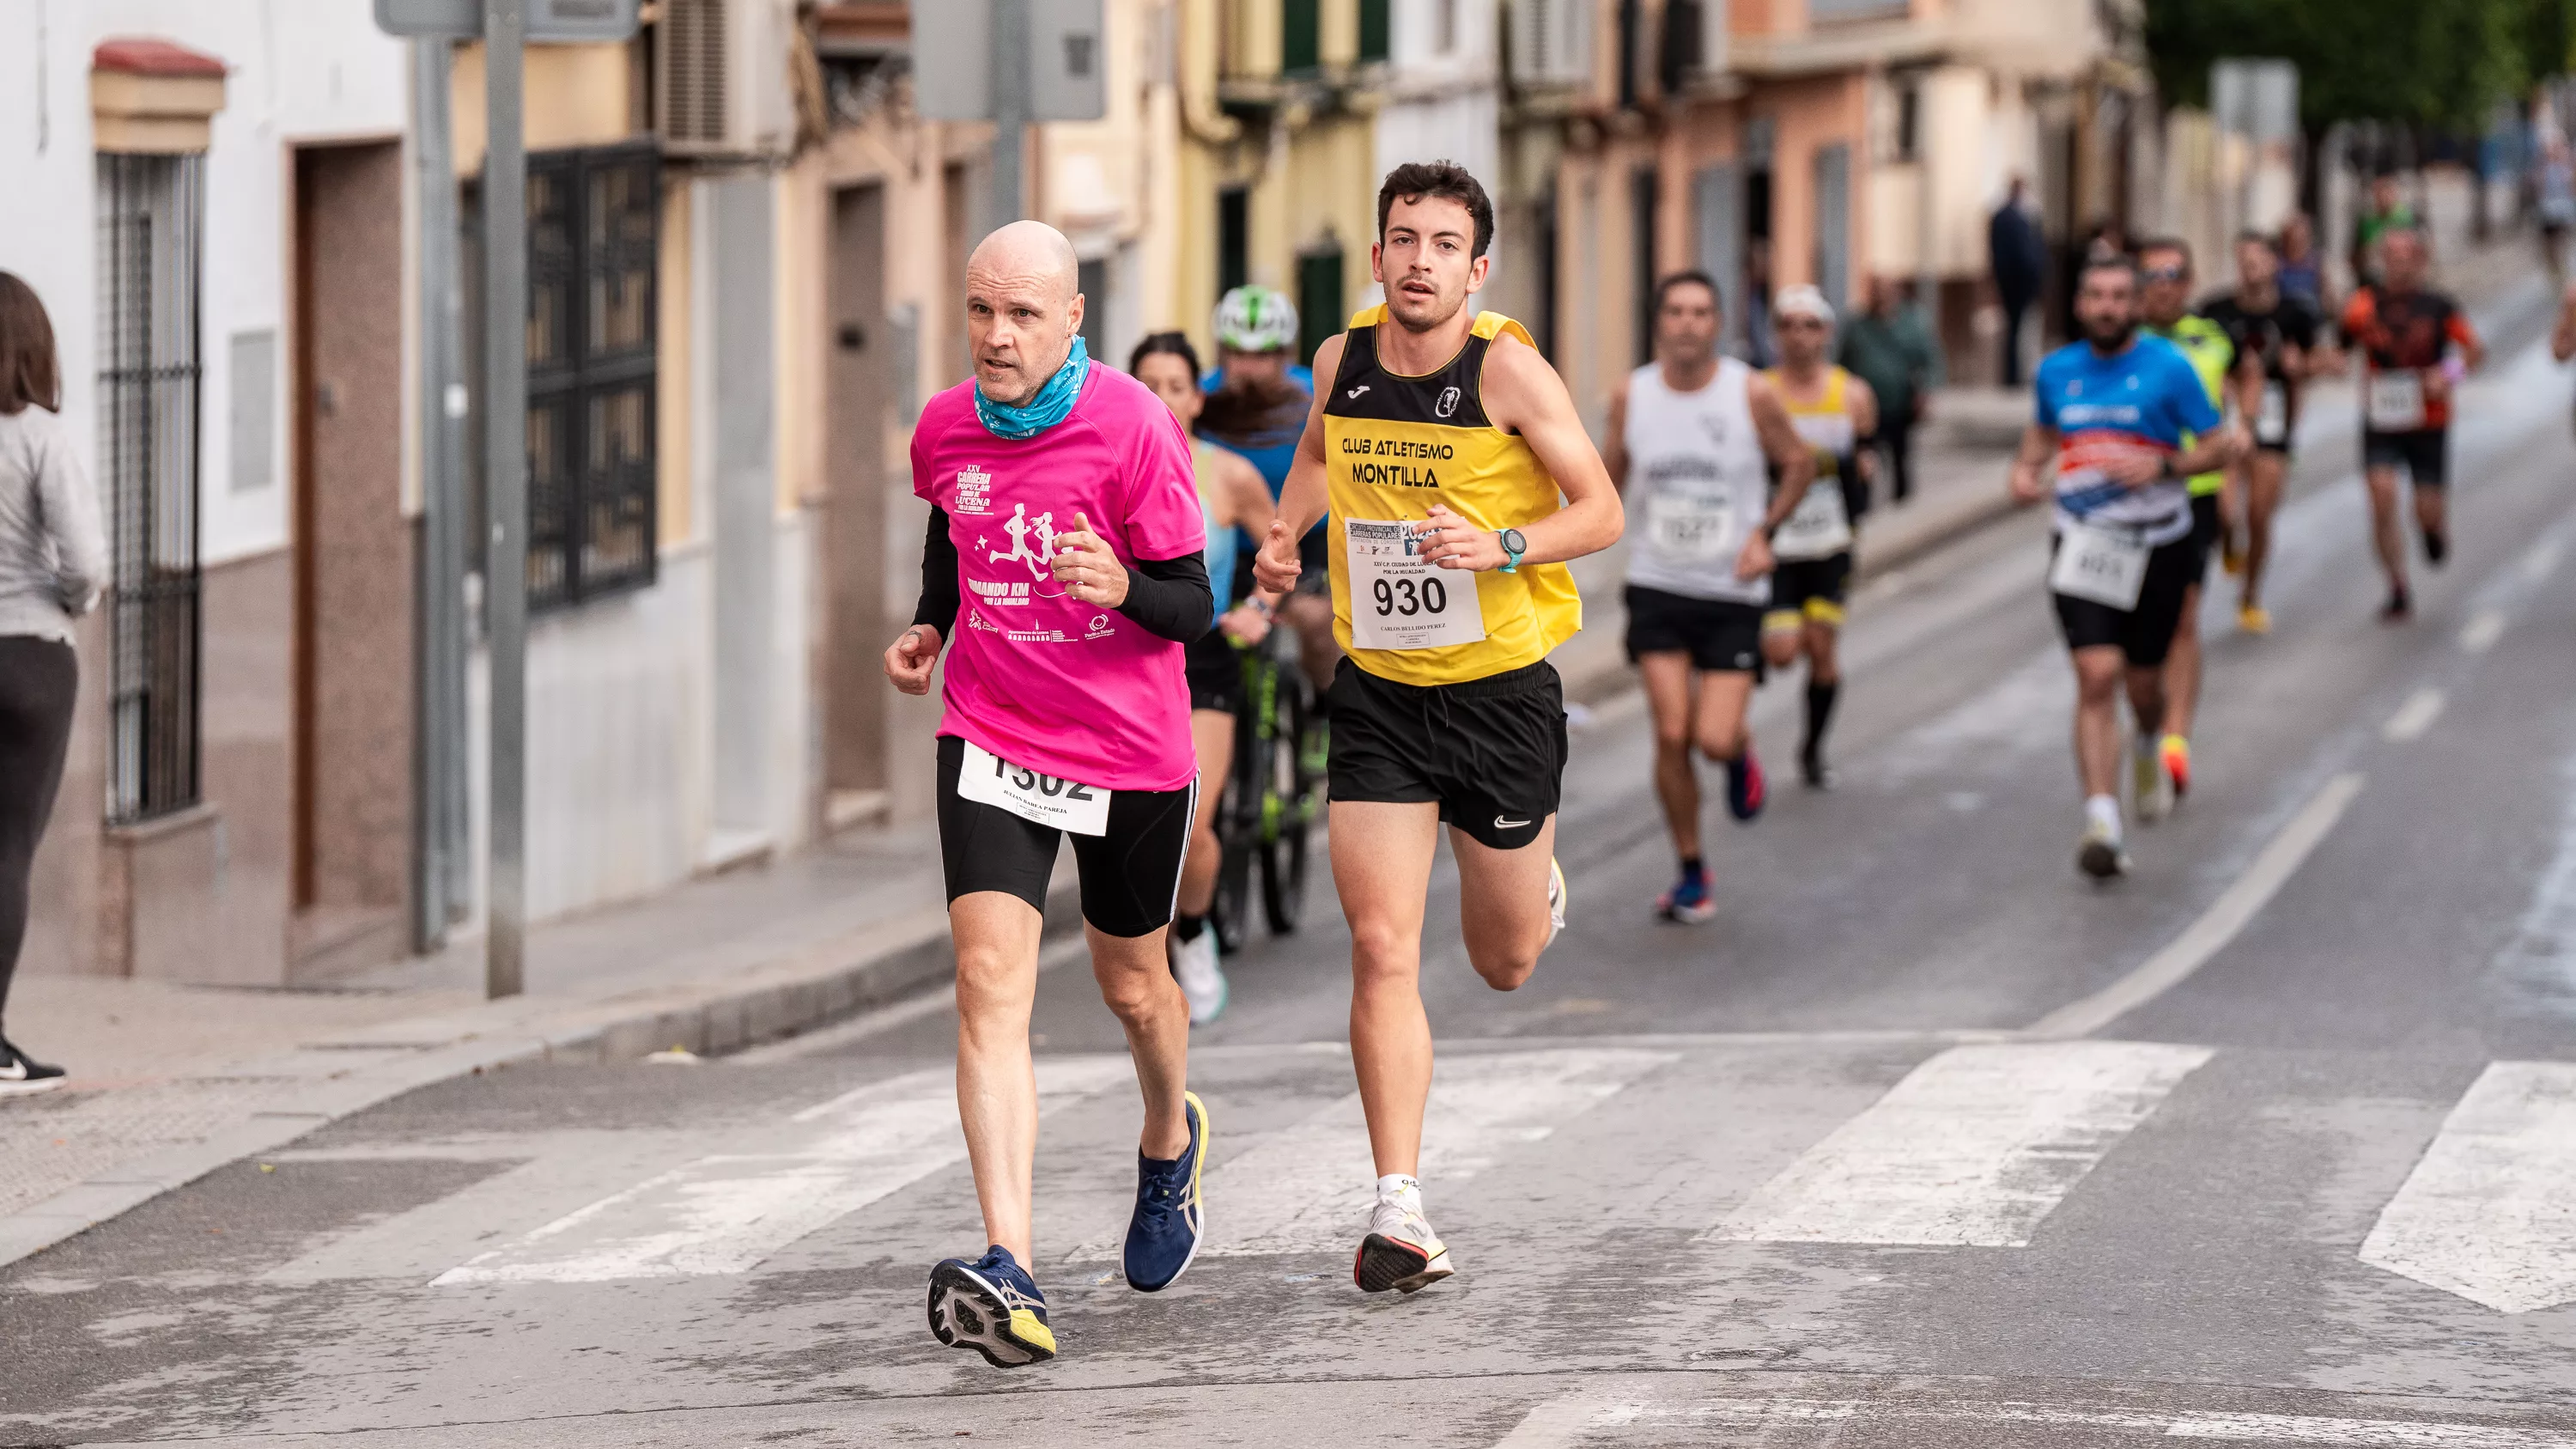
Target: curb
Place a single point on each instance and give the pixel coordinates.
(803, 989)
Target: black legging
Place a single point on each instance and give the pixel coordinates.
(38, 678)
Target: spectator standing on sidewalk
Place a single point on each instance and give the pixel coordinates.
(2020, 261)
(1890, 348)
(53, 560)
(1757, 303)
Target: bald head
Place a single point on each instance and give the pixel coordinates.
(1023, 307)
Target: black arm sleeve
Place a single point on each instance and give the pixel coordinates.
(939, 599)
(1169, 597)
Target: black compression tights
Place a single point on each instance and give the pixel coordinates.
(38, 679)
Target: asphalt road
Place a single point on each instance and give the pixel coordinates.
(2289, 1158)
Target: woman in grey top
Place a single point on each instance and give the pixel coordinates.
(53, 563)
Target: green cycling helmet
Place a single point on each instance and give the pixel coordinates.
(1256, 319)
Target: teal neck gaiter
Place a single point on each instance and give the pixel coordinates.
(1045, 410)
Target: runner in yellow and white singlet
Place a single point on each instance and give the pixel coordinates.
(1439, 446)
(1837, 414)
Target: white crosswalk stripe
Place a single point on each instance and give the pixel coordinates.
(727, 1212)
(2490, 1211)
(1975, 1145)
(1309, 1188)
(1974, 1149)
(1597, 1420)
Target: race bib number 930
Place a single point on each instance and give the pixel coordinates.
(1400, 602)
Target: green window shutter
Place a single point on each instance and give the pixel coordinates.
(1301, 36)
(1377, 20)
(1319, 301)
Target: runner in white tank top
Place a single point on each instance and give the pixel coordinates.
(1698, 482)
(1693, 437)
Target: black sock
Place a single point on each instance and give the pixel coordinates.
(1187, 926)
(1820, 712)
(1694, 868)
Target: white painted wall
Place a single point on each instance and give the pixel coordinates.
(301, 70)
(1442, 104)
(620, 705)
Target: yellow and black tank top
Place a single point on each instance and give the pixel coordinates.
(1393, 446)
(1825, 422)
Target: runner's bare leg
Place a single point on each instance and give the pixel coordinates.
(996, 936)
(1382, 856)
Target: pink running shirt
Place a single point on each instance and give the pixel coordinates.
(1039, 678)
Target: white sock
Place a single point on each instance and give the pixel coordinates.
(2104, 810)
(1401, 1187)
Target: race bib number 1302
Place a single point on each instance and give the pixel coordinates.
(1043, 799)
(1400, 602)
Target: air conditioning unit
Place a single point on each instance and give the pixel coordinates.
(1551, 43)
(722, 77)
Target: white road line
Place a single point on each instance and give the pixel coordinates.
(1582, 1417)
(1974, 1148)
(2413, 717)
(2239, 903)
(1308, 1188)
(2544, 556)
(1555, 1423)
(726, 1213)
(2483, 630)
(2490, 1211)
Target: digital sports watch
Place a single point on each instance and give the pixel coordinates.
(1513, 547)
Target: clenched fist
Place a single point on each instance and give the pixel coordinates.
(909, 659)
(1276, 564)
(1086, 567)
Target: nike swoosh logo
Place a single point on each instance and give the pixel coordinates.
(14, 1072)
(1501, 824)
(1355, 392)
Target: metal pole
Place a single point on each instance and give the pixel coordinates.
(1010, 110)
(505, 425)
(437, 626)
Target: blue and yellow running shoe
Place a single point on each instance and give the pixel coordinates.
(992, 1306)
(1687, 903)
(1170, 1217)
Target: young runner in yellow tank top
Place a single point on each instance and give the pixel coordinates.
(1439, 446)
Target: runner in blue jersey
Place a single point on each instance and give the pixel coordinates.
(2114, 411)
(1258, 398)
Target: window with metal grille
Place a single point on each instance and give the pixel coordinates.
(150, 222)
(594, 244)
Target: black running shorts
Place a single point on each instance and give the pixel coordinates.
(1491, 752)
(2145, 634)
(2204, 531)
(1719, 635)
(2425, 454)
(1215, 669)
(1129, 875)
(1809, 590)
